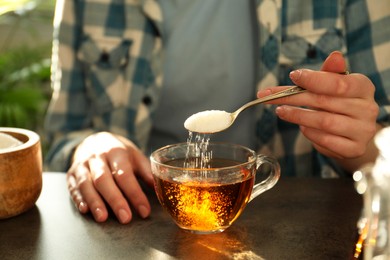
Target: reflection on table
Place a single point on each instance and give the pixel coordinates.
(297, 219)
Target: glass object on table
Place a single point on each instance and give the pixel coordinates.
(205, 188)
(374, 183)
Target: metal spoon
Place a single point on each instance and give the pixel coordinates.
(213, 121)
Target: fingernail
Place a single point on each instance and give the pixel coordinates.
(123, 216)
(99, 214)
(143, 211)
(295, 75)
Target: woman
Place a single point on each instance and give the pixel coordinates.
(111, 104)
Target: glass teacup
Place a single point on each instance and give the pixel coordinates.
(209, 198)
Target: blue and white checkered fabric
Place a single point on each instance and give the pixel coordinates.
(107, 68)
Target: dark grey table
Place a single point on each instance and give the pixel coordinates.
(297, 219)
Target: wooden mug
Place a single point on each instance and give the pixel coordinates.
(20, 173)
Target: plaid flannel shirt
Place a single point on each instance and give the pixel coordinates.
(107, 69)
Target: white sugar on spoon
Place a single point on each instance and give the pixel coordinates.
(7, 141)
(213, 121)
(209, 121)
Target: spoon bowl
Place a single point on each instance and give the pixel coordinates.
(213, 121)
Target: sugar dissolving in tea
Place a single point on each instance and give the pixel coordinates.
(200, 203)
(210, 198)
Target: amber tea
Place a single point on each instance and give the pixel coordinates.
(205, 192)
(201, 203)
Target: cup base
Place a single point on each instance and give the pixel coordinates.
(203, 232)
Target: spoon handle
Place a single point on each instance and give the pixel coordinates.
(284, 93)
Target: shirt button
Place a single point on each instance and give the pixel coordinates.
(147, 100)
(311, 52)
(105, 57)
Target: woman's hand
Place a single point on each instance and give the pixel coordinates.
(338, 112)
(104, 170)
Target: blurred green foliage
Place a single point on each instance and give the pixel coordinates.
(25, 67)
(24, 87)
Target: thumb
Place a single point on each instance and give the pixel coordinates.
(335, 62)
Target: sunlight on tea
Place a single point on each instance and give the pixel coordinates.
(196, 207)
(203, 206)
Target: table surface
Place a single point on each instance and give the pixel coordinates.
(298, 219)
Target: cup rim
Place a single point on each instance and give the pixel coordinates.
(251, 159)
(33, 138)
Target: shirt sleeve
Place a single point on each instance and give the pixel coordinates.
(368, 42)
(106, 74)
(67, 122)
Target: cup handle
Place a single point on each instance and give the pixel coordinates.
(271, 180)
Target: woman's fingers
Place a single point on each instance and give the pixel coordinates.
(76, 195)
(107, 187)
(106, 175)
(334, 84)
(123, 171)
(339, 133)
(84, 194)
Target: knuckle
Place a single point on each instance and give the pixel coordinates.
(324, 141)
(371, 130)
(74, 194)
(327, 122)
(72, 189)
(342, 86)
(121, 175)
(116, 202)
(134, 195)
(373, 110)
